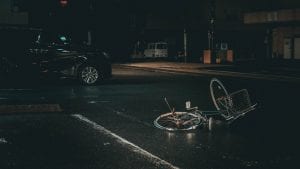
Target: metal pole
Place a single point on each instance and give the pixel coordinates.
(185, 44)
(209, 37)
(90, 27)
(211, 31)
(89, 38)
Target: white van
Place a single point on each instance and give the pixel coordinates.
(156, 50)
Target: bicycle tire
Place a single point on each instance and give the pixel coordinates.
(217, 91)
(178, 121)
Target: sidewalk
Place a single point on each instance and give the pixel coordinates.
(246, 71)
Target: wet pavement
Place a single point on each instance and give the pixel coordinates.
(59, 141)
(111, 125)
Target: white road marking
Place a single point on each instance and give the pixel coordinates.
(16, 89)
(125, 143)
(30, 108)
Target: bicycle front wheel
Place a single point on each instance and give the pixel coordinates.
(178, 121)
(218, 94)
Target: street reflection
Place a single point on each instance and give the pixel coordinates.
(170, 136)
(189, 138)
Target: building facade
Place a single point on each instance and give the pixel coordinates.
(284, 31)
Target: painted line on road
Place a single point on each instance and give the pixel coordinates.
(16, 89)
(160, 163)
(30, 108)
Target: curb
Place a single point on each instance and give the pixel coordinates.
(218, 73)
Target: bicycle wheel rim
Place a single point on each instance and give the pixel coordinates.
(189, 121)
(217, 90)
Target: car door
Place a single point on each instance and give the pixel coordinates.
(65, 58)
(60, 55)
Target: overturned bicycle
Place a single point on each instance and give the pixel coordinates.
(230, 106)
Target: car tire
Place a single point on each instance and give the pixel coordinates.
(89, 75)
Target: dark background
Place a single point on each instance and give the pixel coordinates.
(117, 25)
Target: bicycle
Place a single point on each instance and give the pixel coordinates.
(188, 120)
(229, 107)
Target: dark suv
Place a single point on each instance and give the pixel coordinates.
(28, 53)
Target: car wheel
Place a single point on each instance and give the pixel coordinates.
(89, 75)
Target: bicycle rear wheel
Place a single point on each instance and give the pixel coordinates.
(178, 121)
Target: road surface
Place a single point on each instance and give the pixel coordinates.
(67, 126)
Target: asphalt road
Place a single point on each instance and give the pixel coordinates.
(63, 125)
